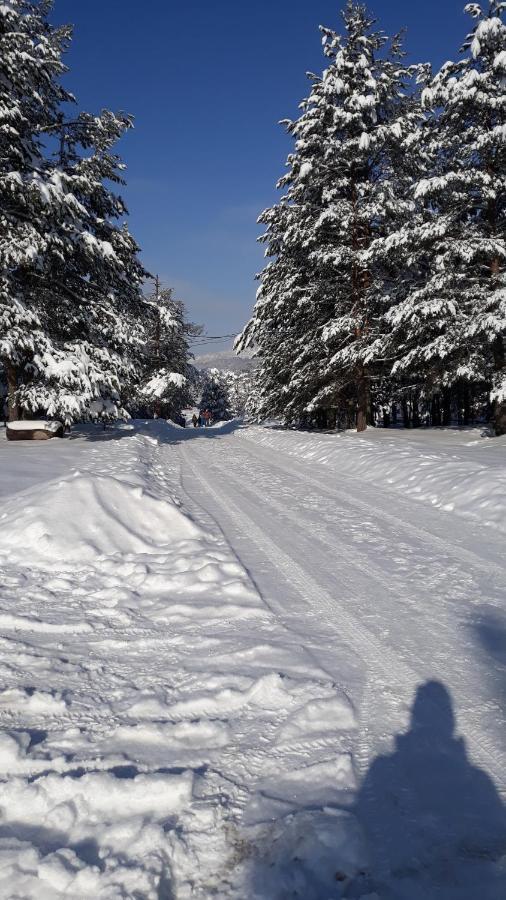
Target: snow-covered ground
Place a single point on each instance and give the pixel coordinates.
(248, 663)
(457, 470)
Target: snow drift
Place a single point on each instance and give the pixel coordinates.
(80, 518)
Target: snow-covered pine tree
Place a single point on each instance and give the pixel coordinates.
(92, 281)
(319, 305)
(450, 327)
(30, 95)
(285, 322)
(168, 380)
(215, 396)
(367, 200)
(71, 282)
(239, 387)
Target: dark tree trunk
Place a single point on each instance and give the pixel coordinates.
(351, 415)
(371, 412)
(447, 407)
(362, 400)
(394, 413)
(435, 410)
(321, 419)
(466, 404)
(11, 373)
(405, 412)
(499, 405)
(500, 417)
(415, 405)
(386, 419)
(468, 409)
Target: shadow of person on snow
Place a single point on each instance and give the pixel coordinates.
(435, 823)
(426, 824)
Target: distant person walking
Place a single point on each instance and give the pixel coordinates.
(195, 420)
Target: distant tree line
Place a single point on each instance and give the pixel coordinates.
(226, 394)
(384, 296)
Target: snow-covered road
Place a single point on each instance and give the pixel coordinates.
(408, 591)
(386, 596)
(292, 686)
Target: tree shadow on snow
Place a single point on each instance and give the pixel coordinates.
(489, 627)
(164, 432)
(213, 432)
(432, 824)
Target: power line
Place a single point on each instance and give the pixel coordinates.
(202, 340)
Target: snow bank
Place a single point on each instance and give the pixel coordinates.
(459, 471)
(78, 519)
(162, 733)
(90, 836)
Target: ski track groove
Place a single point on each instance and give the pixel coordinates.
(377, 656)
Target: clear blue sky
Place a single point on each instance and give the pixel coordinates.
(207, 82)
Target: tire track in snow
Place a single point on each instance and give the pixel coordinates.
(272, 457)
(465, 686)
(379, 659)
(364, 569)
(313, 596)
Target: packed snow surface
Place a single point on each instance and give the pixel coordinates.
(245, 663)
(457, 470)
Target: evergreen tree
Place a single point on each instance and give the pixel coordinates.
(168, 381)
(70, 292)
(91, 289)
(320, 302)
(30, 95)
(448, 332)
(215, 396)
(239, 387)
(367, 201)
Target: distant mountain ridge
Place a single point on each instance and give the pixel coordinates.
(226, 360)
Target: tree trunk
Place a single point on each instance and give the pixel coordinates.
(499, 405)
(416, 412)
(362, 400)
(468, 410)
(499, 412)
(11, 373)
(351, 415)
(405, 412)
(436, 410)
(447, 407)
(466, 404)
(371, 411)
(500, 417)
